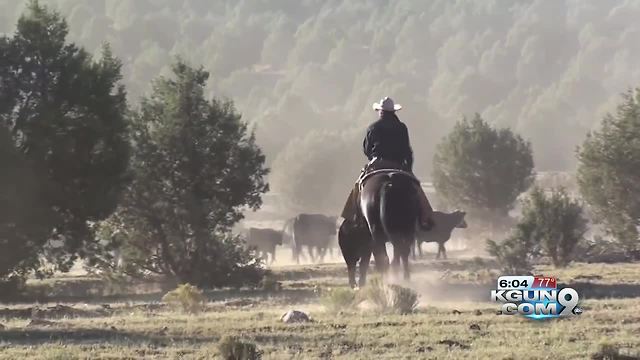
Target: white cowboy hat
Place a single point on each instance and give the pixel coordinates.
(386, 104)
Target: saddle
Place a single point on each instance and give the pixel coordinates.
(375, 167)
(380, 166)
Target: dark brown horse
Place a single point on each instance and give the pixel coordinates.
(389, 204)
(355, 244)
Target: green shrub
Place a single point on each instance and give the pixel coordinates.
(606, 352)
(550, 225)
(375, 292)
(232, 348)
(389, 298)
(513, 254)
(339, 299)
(559, 223)
(516, 253)
(186, 297)
(609, 351)
(601, 250)
(404, 300)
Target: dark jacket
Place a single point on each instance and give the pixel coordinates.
(388, 138)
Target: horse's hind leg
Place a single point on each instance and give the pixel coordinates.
(414, 250)
(404, 250)
(395, 263)
(444, 251)
(351, 270)
(365, 258)
(380, 255)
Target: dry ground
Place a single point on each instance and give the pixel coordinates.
(138, 327)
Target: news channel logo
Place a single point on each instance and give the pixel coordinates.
(535, 297)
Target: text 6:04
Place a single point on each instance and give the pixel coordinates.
(513, 283)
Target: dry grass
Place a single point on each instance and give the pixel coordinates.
(389, 298)
(623, 273)
(432, 332)
(185, 297)
(338, 299)
(234, 348)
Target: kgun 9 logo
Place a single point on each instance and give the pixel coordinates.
(535, 297)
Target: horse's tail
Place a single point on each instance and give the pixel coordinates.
(398, 210)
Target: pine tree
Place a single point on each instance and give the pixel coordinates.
(195, 167)
(65, 114)
(482, 169)
(609, 172)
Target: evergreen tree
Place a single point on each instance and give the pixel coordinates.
(65, 114)
(609, 172)
(482, 169)
(551, 225)
(195, 167)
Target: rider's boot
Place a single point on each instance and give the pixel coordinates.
(426, 211)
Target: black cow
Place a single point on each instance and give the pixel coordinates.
(315, 231)
(265, 242)
(441, 232)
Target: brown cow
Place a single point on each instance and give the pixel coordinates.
(441, 232)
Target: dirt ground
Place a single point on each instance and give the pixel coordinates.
(453, 321)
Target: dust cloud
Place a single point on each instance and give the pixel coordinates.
(435, 290)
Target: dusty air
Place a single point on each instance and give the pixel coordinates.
(319, 179)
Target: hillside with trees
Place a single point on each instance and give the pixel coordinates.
(548, 69)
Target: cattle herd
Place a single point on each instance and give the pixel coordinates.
(315, 235)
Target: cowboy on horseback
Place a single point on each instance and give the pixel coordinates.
(386, 145)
